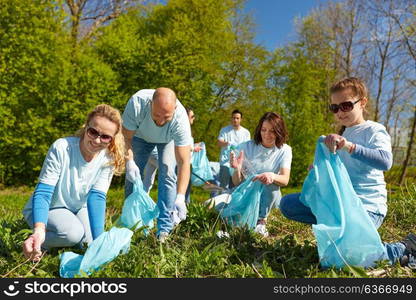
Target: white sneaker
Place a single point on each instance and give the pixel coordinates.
(261, 229)
(163, 236)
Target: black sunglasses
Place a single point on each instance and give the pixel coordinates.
(344, 106)
(93, 133)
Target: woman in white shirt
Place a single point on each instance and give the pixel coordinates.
(67, 207)
(269, 158)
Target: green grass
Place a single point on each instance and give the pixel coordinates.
(194, 250)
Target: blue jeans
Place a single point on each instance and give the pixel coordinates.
(64, 228)
(166, 178)
(149, 174)
(268, 198)
(293, 209)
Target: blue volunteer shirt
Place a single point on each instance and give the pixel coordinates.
(264, 159)
(73, 178)
(233, 137)
(368, 181)
(137, 116)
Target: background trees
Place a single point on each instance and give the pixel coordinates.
(58, 59)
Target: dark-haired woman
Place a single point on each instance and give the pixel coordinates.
(269, 158)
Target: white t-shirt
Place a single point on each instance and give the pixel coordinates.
(367, 181)
(233, 137)
(65, 168)
(138, 116)
(267, 159)
(262, 159)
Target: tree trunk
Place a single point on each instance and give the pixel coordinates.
(409, 149)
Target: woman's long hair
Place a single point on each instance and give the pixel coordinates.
(279, 129)
(116, 148)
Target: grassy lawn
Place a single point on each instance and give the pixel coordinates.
(194, 250)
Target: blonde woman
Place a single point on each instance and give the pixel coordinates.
(67, 207)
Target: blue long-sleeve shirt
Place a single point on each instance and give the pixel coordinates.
(365, 166)
(96, 203)
(377, 158)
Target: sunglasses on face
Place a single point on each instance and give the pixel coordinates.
(344, 106)
(104, 138)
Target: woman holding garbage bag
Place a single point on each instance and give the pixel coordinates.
(67, 207)
(364, 147)
(269, 158)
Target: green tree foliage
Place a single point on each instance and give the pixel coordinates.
(201, 49)
(45, 88)
(301, 95)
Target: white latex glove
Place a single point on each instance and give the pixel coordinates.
(175, 218)
(132, 171)
(180, 205)
(31, 247)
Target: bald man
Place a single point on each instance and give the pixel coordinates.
(156, 119)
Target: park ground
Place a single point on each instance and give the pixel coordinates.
(194, 250)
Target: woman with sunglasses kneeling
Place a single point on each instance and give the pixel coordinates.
(67, 207)
(365, 149)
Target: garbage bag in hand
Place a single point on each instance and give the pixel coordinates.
(201, 167)
(243, 208)
(344, 232)
(138, 209)
(101, 251)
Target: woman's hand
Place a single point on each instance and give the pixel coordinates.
(197, 147)
(335, 142)
(236, 162)
(31, 246)
(265, 178)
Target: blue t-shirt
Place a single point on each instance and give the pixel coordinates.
(267, 159)
(65, 168)
(137, 116)
(368, 182)
(264, 159)
(233, 137)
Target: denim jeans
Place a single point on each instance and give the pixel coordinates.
(166, 177)
(64, 228)
(269, 197)
(149, 174)
(293, 209)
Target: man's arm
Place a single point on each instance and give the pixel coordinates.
(222, 143)
(183, 160)
(132, 170)
(128, 137)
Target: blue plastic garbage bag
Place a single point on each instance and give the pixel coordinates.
(344, 232)
(101, 251)
(201, 167)
(243, 208)
(225, 157)
(138, 209)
